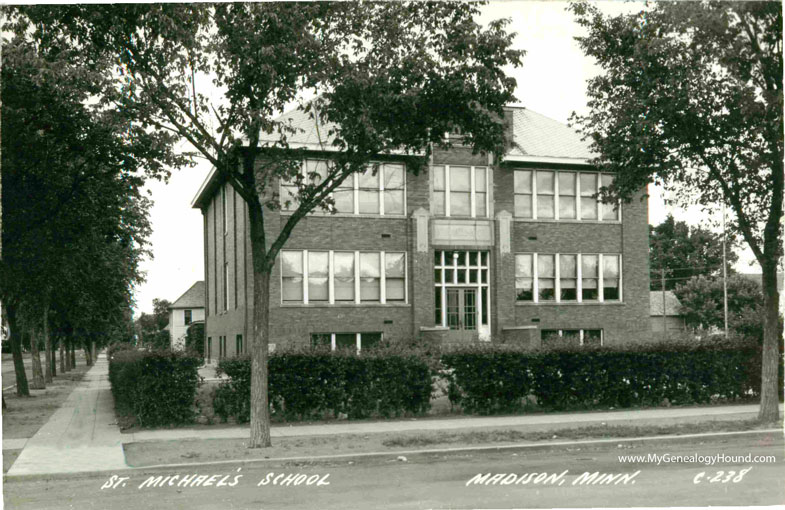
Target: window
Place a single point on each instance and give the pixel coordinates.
(395, 271)
(568, 277)
(370, 277)
(590, 269)
(292, 276)
(562, 195)
(343, 277)
(221, 347)
(572, 336)
(565, 278)
(343, 271)
(224, 211)
(226, 286)
(524, 278)
(209, 348)
(610, 277)
(381, 189)
(610, 212)
(358, 341)
(460, 191)
(317, 276)
(187, 317)
(546, 277)
(238, 345)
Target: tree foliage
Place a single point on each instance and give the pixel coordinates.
(691, 97)
(378, 78)
(682, 252)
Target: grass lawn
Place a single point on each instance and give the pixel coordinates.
(205, 450)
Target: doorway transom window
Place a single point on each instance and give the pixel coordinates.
(461, 297)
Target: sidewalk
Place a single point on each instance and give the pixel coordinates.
(642, 417)
(81, 436)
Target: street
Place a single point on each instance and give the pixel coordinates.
(440, 481)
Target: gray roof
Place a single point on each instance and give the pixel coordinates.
(533, 134)
(672, 304)
(192, 298)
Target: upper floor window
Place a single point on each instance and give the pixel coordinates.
(567, 277)
(562, 195)
(188, 317)
(381, 189)
(320, 276)
(460, 191)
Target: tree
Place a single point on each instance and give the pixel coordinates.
(150, 327)
(388, 78)
(678, 252)
(691, 97)
(701, 301)
(74, 236)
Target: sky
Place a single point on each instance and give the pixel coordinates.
(551, 81)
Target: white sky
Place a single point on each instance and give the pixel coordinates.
(551, 81)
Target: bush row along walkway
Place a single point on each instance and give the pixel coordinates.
(81, 436)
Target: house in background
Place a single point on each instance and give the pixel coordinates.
(187, 309)
(471, 250)
(666, 313)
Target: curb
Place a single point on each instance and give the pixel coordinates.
(367, 455)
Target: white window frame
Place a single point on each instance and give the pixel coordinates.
(479, 285)
(472, 191)
(354, 179)
(582, 333)
(331, 278)
(557, 286)
(556, 197)
(357, 338)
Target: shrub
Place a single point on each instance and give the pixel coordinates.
(495, 378)
(155, 387)
(194, 338)
(311, 383)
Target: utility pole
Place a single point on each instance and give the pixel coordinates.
(664, 315)
(724, 273)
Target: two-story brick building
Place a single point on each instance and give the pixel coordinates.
(472, 249)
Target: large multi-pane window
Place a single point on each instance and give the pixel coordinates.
(567, 277)
(562, 195)
(352, 341)
(381, 189)
(321, 276)
(460, 191)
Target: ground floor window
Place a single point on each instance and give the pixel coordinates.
(461, 296)
(575, 336)
(209, 348)
(358, 341)
(238, 345)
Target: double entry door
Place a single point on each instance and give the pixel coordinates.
(462, 311)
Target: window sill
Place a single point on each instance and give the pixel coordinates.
(347, 215)
(578, 222)
(570, 303)
(345, 305)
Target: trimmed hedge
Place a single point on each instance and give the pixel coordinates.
(310, 383)
(154, 387)
(497, 379)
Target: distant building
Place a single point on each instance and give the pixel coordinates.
(187, 309)
(666, 315)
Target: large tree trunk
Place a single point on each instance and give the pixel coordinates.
(73, 354)
(260, 408)
(48, 361)
(87, 357)
(16, 349)
(35, 355)
(770, 390)
(92, 351)
(53, 361)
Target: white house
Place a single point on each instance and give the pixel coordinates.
(186, 310)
